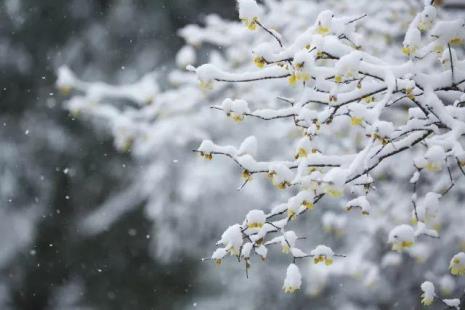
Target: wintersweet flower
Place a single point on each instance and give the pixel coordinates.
(427, 18)
(206, 75)
(288, 241)
(236, 109)
(66, 80)
(249, 13)
(323, 254)
(305, 199)
(255, 219)
(281, 176)
(411, 42)
(298, 76)
(218, 255)
(360, 202)
(323, 23)
(457, 264)
(382, 131)
(232, 239)
(356, 121)
(246, 249)
(246, 175)
(259, 61)
(368, 99)
(402, 237)
(303, 148)
(428, 295)
(293, 279)
(293, 208)
(205, 149)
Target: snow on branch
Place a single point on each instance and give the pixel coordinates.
(333, 78)
(356, 115)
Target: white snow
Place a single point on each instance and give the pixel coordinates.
(293, 280)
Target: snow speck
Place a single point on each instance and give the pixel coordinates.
(132, 232)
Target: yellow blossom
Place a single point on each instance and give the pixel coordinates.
(456, 41)
(301, 153)
(259, 62)
(408, 51)
(308, 205)
(426, 299)
(246, 175)
(127, 145)
(236, 117)
(207, 156)
(206, 85)
(323, 259)
(302, 76)
(439, 49)
(255, 225)
(356, 121)
(457, 264)
(65, 89)
(251, 24)
(433, 167)
(383, 140)
(368, 99)
(291, 214)
(399, 246)
(292, 80)
(423, 26)
(293, 279)
(282, 185)
(323, 30)
(290, 289)
(409, 93)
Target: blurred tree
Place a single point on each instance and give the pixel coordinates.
(55, 170)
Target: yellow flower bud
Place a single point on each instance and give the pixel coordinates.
(356, 121)
(259, 62)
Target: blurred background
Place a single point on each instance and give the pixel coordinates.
(54, 169)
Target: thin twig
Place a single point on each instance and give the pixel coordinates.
(356, 19)
(271, 33)
(451, 65)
